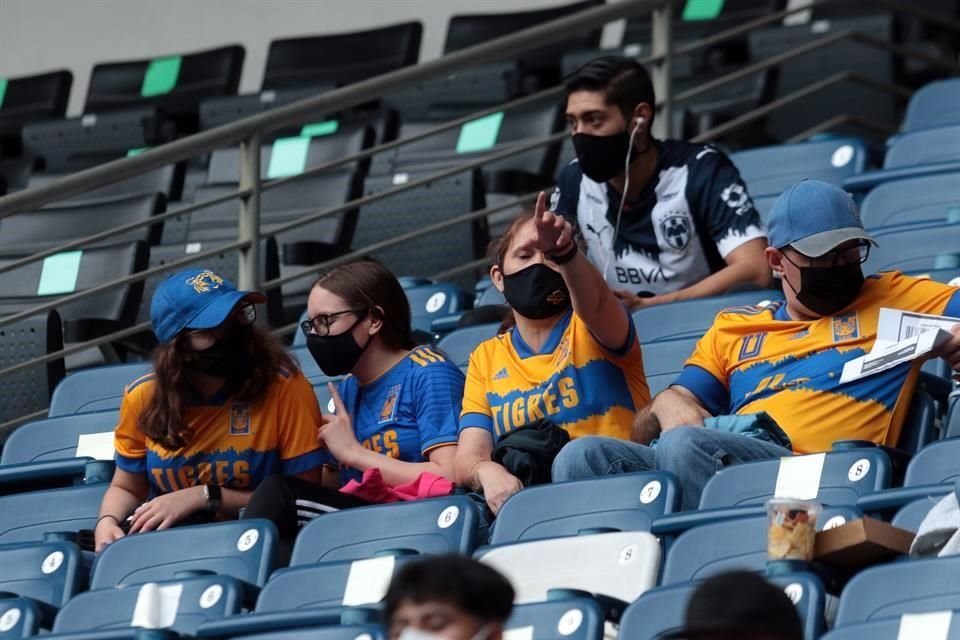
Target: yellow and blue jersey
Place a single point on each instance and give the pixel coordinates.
(406, 412)
(759, 359)
(232, 444)
(573, 381)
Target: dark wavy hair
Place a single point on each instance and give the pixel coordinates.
(163, 420)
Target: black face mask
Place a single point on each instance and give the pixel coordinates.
(229, 357)
(827, 290)
(336, 355)
(602, 157)
(536, 292)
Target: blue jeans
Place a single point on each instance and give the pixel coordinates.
(693, 454)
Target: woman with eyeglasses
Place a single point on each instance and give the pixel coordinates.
(224, 408)
(396, 411)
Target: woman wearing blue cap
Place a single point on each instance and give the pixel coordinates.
(224, 408)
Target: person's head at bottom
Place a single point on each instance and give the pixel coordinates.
(739, 606)
(448, 598)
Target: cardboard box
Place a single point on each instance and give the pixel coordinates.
(861, 543)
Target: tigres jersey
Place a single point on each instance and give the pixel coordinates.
(407, 411)
(233, 444)
(759, 359)
(573, 381)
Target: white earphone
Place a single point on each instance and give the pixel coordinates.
(623, 196)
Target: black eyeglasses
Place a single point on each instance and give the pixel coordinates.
(854, 254)
(320, 324)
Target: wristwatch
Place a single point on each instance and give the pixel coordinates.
(213, 494)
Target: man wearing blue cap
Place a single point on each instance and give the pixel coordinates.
(784, 358)
(224, 407)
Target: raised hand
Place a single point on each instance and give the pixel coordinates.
(337, 431)
(554, 232)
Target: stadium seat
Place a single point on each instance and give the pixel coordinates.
(692, 318)
(543, 63)
(117, 613)
(952, 425)
(768, 171)
(868, 596)
(933, 200)
(663, 361)
(460, 344)
(662, 609)
(55, 451)
(334, 60)
(924, 147)
(176, 83)
(419, 208)
(166, 180)
(915, 248)
(76, 271)
(911, 515)
(53, 225)
(351, 632)
(434, 526)
(932, 471)
(29, 99)
(627, 502)
(244, 549)
(941, 625)
(570, 618)
(311, 595)
(19, 617)
(931, 106)
(48, 573)
(616, 565)
(429, 300)
(28, 516)
(490, 296)
(740, 543)
(28, 391)
(95, 389)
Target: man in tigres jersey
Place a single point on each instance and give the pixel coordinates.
(785, 358)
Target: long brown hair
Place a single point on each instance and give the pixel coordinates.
(163, 420)
(367, 284)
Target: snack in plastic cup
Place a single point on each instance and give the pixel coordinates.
(793, 528)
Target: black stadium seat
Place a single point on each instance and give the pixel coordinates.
(29, 390)
(329, 61)
(60, 223)
(30, 99)
(167, 180)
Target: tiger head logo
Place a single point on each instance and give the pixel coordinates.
(205, 281)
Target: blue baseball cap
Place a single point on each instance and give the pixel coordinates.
(195, 299)
(814, 217)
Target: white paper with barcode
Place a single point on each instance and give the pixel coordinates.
(902, 336)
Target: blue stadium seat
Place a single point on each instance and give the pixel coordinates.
(952, 426)
(434, 526)
(28, 516)
(663, 361)
(244, 549)
(619, 565)
(44, 453)
(911, 515)
(96, 389)
(924, 147)
(116, 613)
(490, 296)
(19, 618)
(49, 573)
(768, 171)
(312, 595)
(662, 609)
(930, 585)
(569, 618)
(933, 106)
(627, 502)
(931, 472)
(691, 318)
(430, 300)
(933, 199)
(740, 543)
(351, 632)
(915, 248)
(897, 628)
(460, 344)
